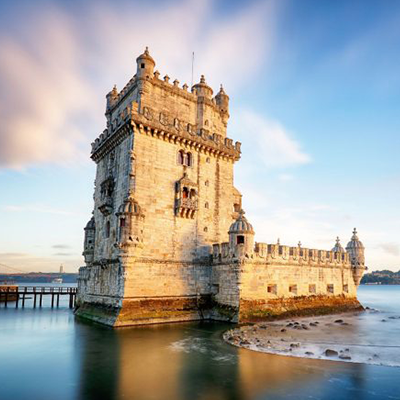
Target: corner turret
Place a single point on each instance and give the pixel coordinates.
(145, 65)
(88, 246)
(241, 237)
(355, 249)
(111, 99)
(202, 89)
(222, 101)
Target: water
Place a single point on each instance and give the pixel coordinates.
(47, 354)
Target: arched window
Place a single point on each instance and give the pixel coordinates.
(107, 231)
(181, 156)
(185, 193)
(206, 205)
(188, 159)
(192, 193)
(122, 222)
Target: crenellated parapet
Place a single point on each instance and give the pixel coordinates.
(280, 254)
(165, 127)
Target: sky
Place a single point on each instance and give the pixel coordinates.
(314, 91)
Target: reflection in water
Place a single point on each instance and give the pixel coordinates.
(47, 354)
(189, 361)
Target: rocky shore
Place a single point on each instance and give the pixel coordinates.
(331, 337)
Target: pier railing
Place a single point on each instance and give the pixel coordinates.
(19, 295)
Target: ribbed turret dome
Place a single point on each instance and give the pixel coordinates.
(241, 225)
(90, 224)
(338, 247)
(145, 56)
(354, 243)
(129, 206)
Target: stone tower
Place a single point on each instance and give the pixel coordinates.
(168, 239)
(163, 195)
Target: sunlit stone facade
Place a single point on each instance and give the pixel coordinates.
(168, 240)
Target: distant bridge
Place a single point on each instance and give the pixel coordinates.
(6, 269)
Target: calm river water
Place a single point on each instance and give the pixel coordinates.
(47, 354)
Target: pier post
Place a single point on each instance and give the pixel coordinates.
(58, 300)
(17, 299)
(34, 297)
(41, 298)
(52, 297)
(23, 297)
(6, 299)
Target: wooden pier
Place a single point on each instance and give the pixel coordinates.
(19, 294)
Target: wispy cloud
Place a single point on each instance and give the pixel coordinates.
(276, 146)
(36, 209)
(57, 66)
(61, 246)
(391, 248)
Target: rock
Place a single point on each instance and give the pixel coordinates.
(338, 321)
(283, 330)
(296, 323)
(289, 324)
(309, 353)
(263, 326)
(316, 322)
(367, 308)
(244, 342)
(305, 327)
(344, 324)
(313, 324)
(376, 356)
(344, 357)
(331, 353)
(384, 320)
(293, 345)
(346, 349)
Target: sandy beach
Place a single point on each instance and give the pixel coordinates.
(331, 337)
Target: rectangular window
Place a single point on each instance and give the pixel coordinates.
(346, 288)
(240, 239)
(293, 289)
(312, 288)
(272, 289)
(329, 288)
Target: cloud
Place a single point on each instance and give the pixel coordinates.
(58, 65)
(64, 254)
(272, 144)
(36, 209)
(61, 246)
(390, 248)
(285, 177)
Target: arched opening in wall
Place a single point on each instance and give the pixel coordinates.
(122, 222)
(240, 239)
(192, 193)
(185, 193)
(236, 207)
(181, 156)
(107, 230)
(189, 159)
(206, 122)
(206, 205)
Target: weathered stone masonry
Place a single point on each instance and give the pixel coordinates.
(164, 197)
